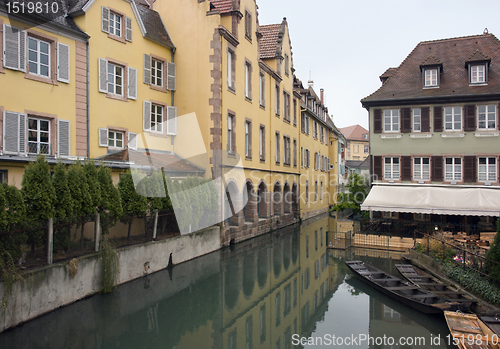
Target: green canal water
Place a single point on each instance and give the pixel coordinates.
(278, 291)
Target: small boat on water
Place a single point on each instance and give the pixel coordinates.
(430, 283)
(409, 294)
(492, 322)
(469, 332)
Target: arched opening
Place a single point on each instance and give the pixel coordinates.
(248, 275)
(231, 206)
(261, 201)
(287, 198)
(277, 200)
(250, 209)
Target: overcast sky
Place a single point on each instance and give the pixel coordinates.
(344, 46)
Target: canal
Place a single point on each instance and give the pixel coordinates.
(281, 290)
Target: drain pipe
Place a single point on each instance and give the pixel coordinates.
(172, 98)
(88, 103)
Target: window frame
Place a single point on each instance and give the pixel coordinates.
(231, 134)
(453, 119)
(421, 168)
(391, 123)
(472, 72)
(4, 176)
(431, 81)
(262, 142)
(122, 85)
(116, 132)
(277, 140)
(392, 171)
(262, 89)
(248, 25)
(248, 139)
(112, 30)
(453, 172)
(248, 80)
(231, 68)
(162, 72)
(53, 43)
(413, 120)
(487, 173)
(38, 52)
(38, 132)
(487, 114)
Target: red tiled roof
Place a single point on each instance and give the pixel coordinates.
(223, 6)
(355, 133)
(170, 162)
(269, 42)
(406, 81)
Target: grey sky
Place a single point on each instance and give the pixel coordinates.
(346, 45)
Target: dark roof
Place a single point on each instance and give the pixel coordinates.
(365, 163)
(75, 6)
(361, 164)
(387, 74)
(431, 60)
(406, 81)
(59, 19)
(170, 162)
(224, 6)
(155, 29)
(268, 43)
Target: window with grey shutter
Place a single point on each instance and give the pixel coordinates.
(10, 132)
(132, 140)
(105, 19)
(171, 76)
(128, 29)
(147, 69)
(146, 116)
(132, 83)
(63, 59)
(103, 75)
(22, 133)
(171, 121)
(14, 54)
(63, 137)
(103, 137)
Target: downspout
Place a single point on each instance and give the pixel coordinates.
(88, 103)
(172, 97)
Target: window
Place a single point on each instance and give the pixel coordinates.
(156, 118)
(315, 129)
(391, 120)
(486, 117)
(115, 139)
(248, 25)
(231, 73)
(115, 24)
(391, 168)
(294, 153)
(322, 134)
(477, 74)
(156, 72)
(316, 199)
(431, 77)
(321, 198)
(421, 169)
(262, 85)
(286, 106)
(286, 150)
(287, 64)
(487, 169)
(277, 150)
(39, 136)
(417, 120)
(230, 134)
(38, 57)
(248, 80)
(115, 79)
(453, 118)
(355, 148)
(4, 176)
(277, 100)
(367, 149)
(262, 143)
(453, 169)
(294, 112)
(248, 139)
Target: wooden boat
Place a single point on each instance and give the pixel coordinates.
(469, 332)
(493, 322)
(411, 295)
(430, 283)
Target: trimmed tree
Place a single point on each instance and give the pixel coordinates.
(357, 191)
(39, 197)
(63, 206)
(79, 189)
(133, 204)
(110, 206)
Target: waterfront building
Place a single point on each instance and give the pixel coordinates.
(358, 142)
(434, 127)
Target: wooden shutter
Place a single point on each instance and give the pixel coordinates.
(172, 122)
(405, 119)
(14, 53)
(146, 116)
(406, 166)
(103, 137)
(470, 168)
(147, 69)
(377, 121)
(377, 168)
(23, 121)
(103, 75)
(498, 117)
(470, 117)
(171, 76)
(63, 137)
(437, 168)
(438, 119)
(425, 119)
(128, 29)
(132, 83)
(10, 132)
(105, 19)
(63, 63)
(132, 140)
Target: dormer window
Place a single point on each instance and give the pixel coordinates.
(477, 74)
(477, 66)
(431, 77)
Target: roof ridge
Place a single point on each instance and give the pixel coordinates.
(466, 37)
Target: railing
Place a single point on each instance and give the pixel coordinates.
(39, 148)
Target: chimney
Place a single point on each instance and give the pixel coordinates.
(310, 83)
(321, 95)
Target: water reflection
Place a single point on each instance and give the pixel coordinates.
(261, 294)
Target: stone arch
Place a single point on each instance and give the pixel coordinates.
(232, 206)
(287, 198)
(277, 199)
(250, 213)
(248, 275)
(262, 200)
(295, 200)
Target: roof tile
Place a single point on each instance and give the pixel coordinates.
(268, 43)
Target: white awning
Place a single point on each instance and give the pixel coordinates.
(469, 201)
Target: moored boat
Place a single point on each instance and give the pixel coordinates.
(469, 332)
(493, 322)
(409, 294)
